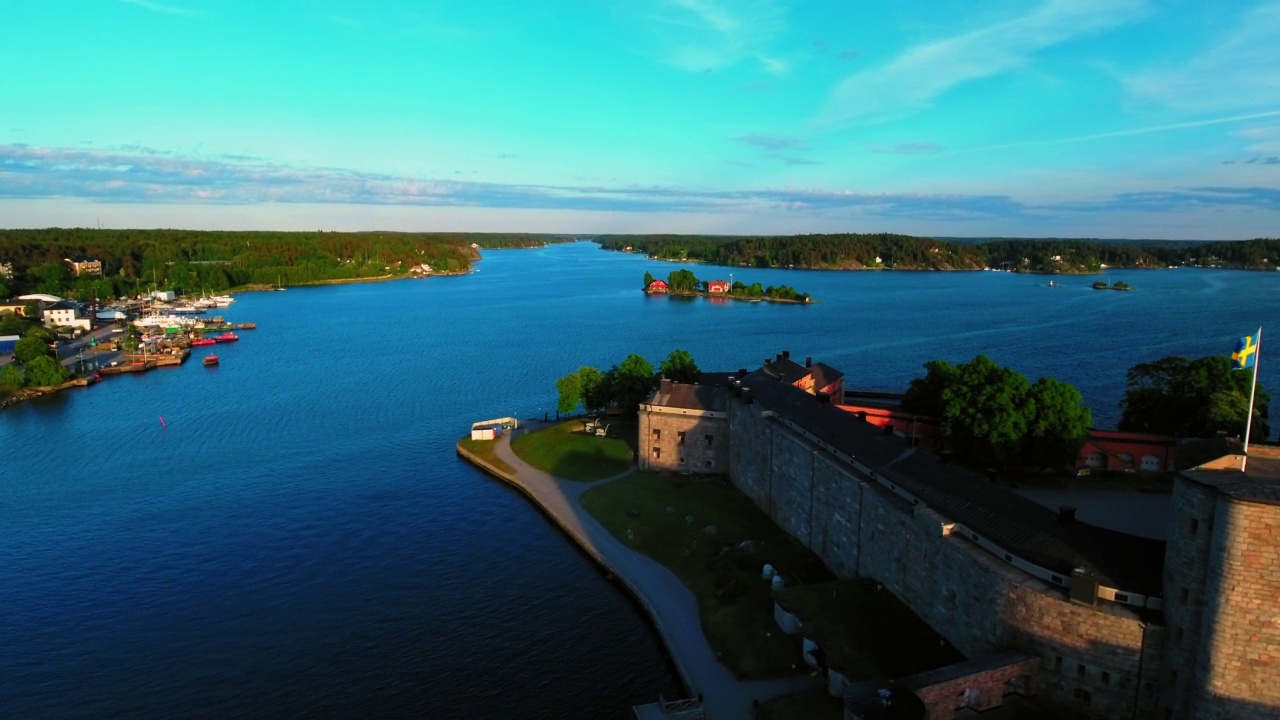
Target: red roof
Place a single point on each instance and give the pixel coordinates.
(658, 285)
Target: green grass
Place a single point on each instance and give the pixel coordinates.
(897, 643)
(649, 513)
(810, 705)
(566, 452)
(483, 449)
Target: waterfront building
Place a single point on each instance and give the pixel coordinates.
(718, 286)
(14, 307)
(64, 313)
(658, 286)
(6, 270)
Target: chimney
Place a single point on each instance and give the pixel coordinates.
(1066, 514)
(786, 354)
(808, 361)
(742, 372)
(767, 361)
(888, 429)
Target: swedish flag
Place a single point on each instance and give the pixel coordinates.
(1246, 353)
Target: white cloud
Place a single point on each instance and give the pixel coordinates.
(1242, 71)
(706, 35)
(911, 81)
(159, 7)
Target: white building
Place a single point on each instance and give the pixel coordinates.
(64, 314)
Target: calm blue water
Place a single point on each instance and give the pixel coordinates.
(301, 539)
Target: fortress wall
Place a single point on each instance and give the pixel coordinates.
(1238, 666)
(837, 514)
(749, 443)
(1092, 658)
(1191, 531)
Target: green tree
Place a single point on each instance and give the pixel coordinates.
(680, 367)
(1058, 426)
(29, 348)
(44, 371)
(983, 411)
(10, 378)
(924, 395)
(570, 389)
(1192, 398)
(682, 280)
(648, 279)
(631, 383)
(595, 388)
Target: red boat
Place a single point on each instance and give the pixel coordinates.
(203, 341)
(226, 337)
(210, 360)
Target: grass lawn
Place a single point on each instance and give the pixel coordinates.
(483, 449)
(812, 705)
(565, 451)
(666, 518)
(866, 633)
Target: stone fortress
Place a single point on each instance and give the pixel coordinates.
(1122, 626)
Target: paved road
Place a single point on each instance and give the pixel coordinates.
(671, 605)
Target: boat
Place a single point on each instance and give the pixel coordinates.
(210, 360)
(198, 342)
(226, 337)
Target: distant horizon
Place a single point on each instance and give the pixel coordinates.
(1129, 119)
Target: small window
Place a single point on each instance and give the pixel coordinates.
(1177, 635)
(1057, 662)
(709, 439)
(708, 463)
(1173, 677)
(1184, 595)
(657, 452)
(1193, 527)
(1149, 689)
(1080, 672)
(681, 461)
(1082, 695)
(1106, 679)
(680, 438)
(657, 434)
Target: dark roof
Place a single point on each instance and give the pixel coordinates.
(825, 375)
(1259, 483)
(1013, 522)
(691, 397)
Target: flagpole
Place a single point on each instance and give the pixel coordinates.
(1248, 424)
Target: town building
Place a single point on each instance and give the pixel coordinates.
(6, 270)
(14, 307)
(1118, 625)
(64, 313)
(84, 265)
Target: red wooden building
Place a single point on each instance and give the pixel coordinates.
(718, 286)
(658, 286)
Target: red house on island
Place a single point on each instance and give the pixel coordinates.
(718, 286)
(658, 286)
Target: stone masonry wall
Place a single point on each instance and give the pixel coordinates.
(1091, 657)
(1186, 562)
(1238, 667)
(692, 453)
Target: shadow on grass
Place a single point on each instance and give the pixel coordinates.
(698, 529)
(568, 452)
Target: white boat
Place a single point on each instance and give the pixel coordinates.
(163, 321)
(187, 310)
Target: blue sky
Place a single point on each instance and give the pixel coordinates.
(1098, 118)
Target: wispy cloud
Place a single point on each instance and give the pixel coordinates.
(770, 142)
(160, 7)
(1167, 127)
(117, 176)
(1241, 71)
(793, 160)
(849, 55)
(708, 35)
(912, 80)
(909, 148)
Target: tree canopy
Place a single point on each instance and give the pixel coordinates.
(45, 371)
(991, 415)
(680, 367)
(1192, 398)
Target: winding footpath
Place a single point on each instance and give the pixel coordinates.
(670, 604)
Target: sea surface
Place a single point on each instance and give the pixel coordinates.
(299, 539)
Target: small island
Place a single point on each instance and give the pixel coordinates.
(1119, 285)
(684, 282)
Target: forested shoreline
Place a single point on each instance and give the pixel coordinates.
(213, 261)
(905, 252)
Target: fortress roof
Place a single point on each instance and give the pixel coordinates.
(706, 396)
(1015, 523)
